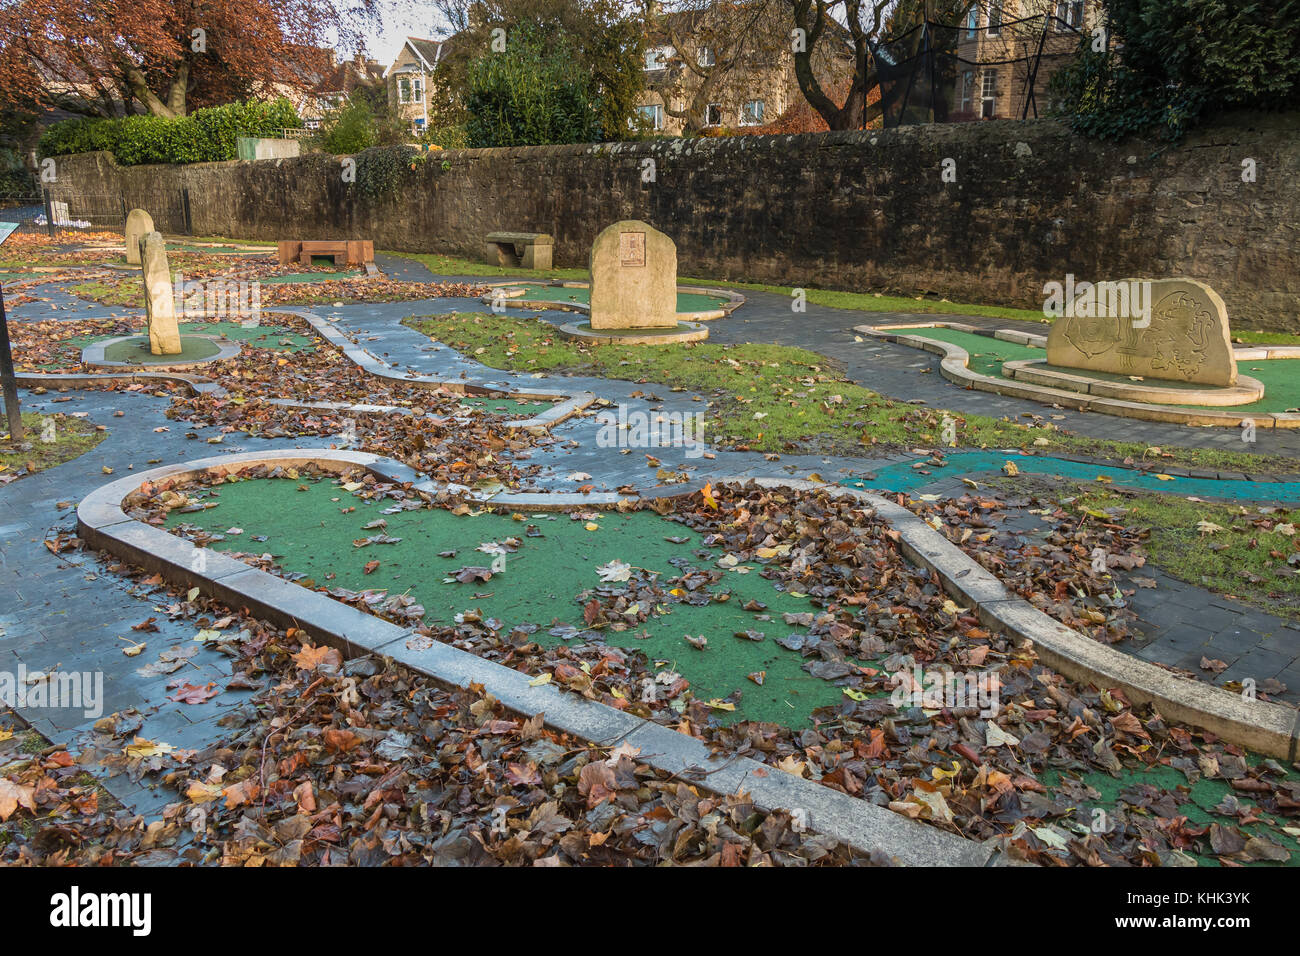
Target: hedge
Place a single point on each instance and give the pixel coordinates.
(204, 136)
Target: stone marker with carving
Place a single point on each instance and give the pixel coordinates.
(633, 278)
(1186, 339)
(160, 308)
(138, 224)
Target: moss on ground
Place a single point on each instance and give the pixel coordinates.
(73, 437)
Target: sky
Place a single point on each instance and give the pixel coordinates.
(401, 19)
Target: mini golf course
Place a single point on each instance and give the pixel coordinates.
(314, 528)
(311, 532)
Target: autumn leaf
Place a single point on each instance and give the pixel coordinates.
(309, 658)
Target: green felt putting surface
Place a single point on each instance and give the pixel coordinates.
(311, 276)
(262, 336)
(1281, 377)
(308, 532)
(1195, 801)
(135, 351)
(507, 406)
(686, 301)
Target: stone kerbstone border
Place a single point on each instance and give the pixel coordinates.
(566, 405)
(517, 300)
(93, 354)
(103, 524)
(686, 332)
(1268, 728)
(1036, 372)
(954, 365)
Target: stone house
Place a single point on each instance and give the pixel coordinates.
(410, 78)
(997, 43)
(758, 89)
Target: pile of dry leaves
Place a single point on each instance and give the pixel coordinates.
(1017, 774)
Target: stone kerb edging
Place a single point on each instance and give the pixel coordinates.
(566, 405)
(93, 355)
(685, 332)
(734, 300)
(955, 361)
(103, 524)
(1268, 728)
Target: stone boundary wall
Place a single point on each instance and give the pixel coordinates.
(857, 211)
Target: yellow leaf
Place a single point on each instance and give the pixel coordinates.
(1165, 477)
(1010, 469)
(592, 526)
(707, 494)
(719, 704)
(852, 694)
(540, 679)
(140, 747)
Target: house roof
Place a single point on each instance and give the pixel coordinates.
(350, 74)
(429, 52)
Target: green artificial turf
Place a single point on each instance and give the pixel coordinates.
(136, 351)
(308, 532)
(1281, 377)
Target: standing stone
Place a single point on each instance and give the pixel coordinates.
(1187, 339)
(138, 224)
(633, 278)
(164, 333)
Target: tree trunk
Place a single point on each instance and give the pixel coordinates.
(140, 90)
(176, 95)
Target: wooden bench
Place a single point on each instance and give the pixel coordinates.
(526, 250)
(344, 252)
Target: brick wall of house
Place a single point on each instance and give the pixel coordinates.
(858, 211)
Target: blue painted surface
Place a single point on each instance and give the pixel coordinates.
(901, 476)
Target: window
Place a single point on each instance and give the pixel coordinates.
(967, 90)
(656, 58)
(404, 90)
(972, 22)
(706, 57)
(1070, 14)
(751, 113)
(989, 104)
(995, 18)
(417, 86)
(713, 114)
(653, 116)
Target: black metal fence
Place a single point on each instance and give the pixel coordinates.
(951, 73)
(64, 213)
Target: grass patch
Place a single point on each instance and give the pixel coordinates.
(112, 292)
(777, 398)
(1265, 338)
(1232, 549)
(861, 301)
(455, 266)
(73, 437)
(878, 302)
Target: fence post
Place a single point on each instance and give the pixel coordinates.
(49, 214)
